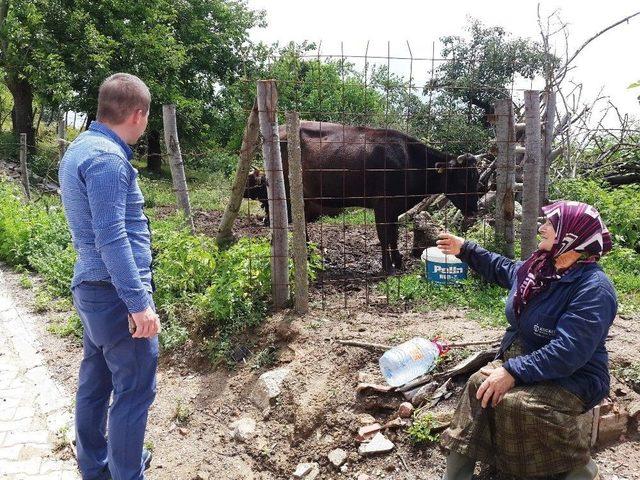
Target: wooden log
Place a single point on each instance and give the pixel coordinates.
(547, 145)
(296, 192)
(247, 152)
(505, 177)
(531, 174)
(420, 207)
(24, 171)
(177, 165)
(267, 109)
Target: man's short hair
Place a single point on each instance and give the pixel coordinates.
(120, 95)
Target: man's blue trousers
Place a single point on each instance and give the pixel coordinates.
(113, 362)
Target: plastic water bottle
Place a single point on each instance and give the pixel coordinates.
(409, 360)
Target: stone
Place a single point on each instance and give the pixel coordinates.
(268, 388)
(337, 457)
(611, 426)
(243, 429)
(363, 476)
(378, 444)
(405, 410)
(307, 471)
(634, 409)
(368, 431)
(202, 475)
(366, 419)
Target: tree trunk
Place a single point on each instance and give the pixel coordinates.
(90, 118)
(22, 117)
(154, 154)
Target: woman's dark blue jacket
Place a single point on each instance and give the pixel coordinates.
(562, 329)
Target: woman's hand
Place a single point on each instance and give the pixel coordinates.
(498, 382)
(449, 244)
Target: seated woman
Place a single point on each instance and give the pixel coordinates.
(522, 412)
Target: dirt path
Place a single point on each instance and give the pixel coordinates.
(317, 410)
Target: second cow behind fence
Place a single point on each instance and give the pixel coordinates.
(382, 169)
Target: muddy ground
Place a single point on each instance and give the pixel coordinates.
(318, 410)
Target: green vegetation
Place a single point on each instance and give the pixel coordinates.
(352, 216)
(619, 207)
(483, 302)
(203, 292)
(70, 327)
(182, 412)
(421, 430)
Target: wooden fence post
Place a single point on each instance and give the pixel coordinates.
(24, 172)
(531, 173)
(267, 115)
(247, 151)
(296, 193)
(505, 177)
(547, 141)
(176, 163)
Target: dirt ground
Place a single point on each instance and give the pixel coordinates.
(318, 410)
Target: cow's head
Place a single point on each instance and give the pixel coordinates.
(256, 186)
(460, 177)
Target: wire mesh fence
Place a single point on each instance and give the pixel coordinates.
(387, 163)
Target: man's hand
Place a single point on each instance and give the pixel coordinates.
(498, 382)
(147, 323)
(449, 244)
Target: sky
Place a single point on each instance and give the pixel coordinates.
(609, 63)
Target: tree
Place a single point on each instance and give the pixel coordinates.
(480, 69)
(31, 61)
(186, 52)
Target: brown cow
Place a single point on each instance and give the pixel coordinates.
(383, 169)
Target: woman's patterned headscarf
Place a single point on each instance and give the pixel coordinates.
(579, 229)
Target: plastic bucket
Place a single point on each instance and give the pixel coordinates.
(441, 268)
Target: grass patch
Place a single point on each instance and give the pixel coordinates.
(207, 191)
(71, 327)
(205, 293)
(351, 216)
(630, 374)
(483, 302)
(421, 430)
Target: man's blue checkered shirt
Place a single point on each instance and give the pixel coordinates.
(103, 205)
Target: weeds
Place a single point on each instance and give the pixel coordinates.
(264, 358)
(421, 430)
(182, 413)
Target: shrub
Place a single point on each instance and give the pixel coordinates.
(619, 207)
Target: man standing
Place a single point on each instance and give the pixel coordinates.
(112, 280)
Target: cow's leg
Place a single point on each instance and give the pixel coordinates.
(396, 258)
(384, 236)
(266, 222)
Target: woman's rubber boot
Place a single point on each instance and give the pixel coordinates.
(586, 472)
(459, 467)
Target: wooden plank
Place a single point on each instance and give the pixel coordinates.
(547, 145)
(531, 174)
(505, 177)
(267, 109)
